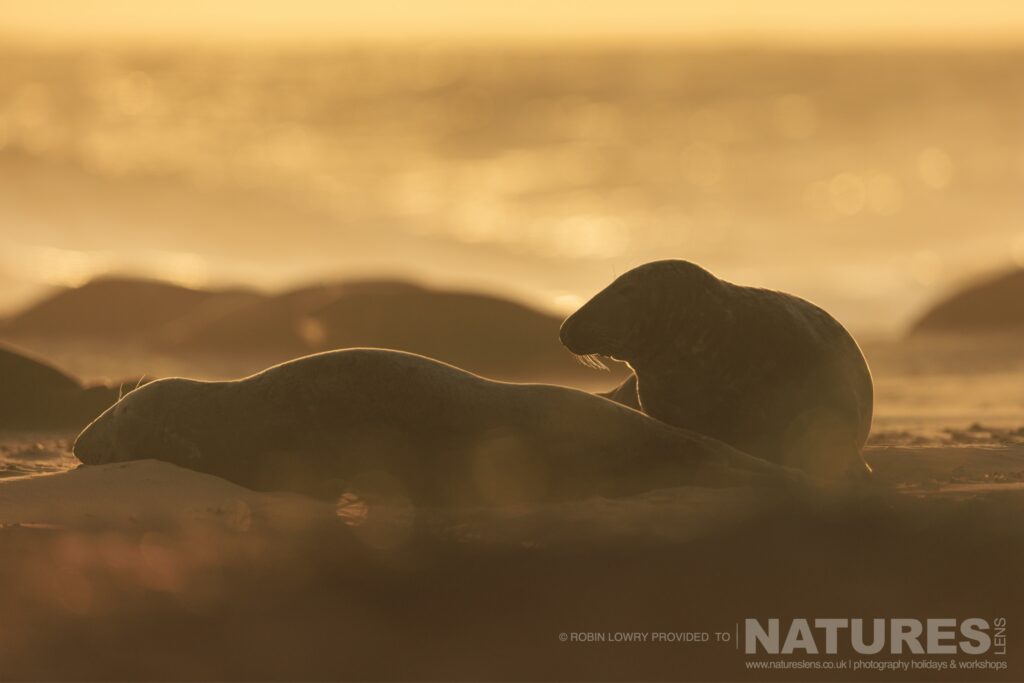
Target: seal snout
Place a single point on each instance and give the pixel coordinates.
(574, 337)
(90, 446)
(565, 333)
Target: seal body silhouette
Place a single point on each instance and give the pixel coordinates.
(323, 423)
(764, 371)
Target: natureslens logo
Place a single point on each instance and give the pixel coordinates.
(973, 636)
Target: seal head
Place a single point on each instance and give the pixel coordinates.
(154, 419)
(653, 308)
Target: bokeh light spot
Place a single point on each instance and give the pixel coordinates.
(848, 193)
(1017, 251)
(703, 164)
(795, 116)
(884, 194)
(926, 267)
(935, 167)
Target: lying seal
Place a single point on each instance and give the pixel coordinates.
(38, 396)
(764, 371)
(320, 423)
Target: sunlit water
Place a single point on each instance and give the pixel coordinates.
(869, 183)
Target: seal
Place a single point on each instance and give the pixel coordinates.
(323, 423)
(38, 396)
(625, 393)
(767, 372)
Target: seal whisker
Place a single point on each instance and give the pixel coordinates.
(590, 360)
(121, 389)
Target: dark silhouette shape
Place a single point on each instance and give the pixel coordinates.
(383, 422)
(123, 310)
(766, 372)
(485, 334)
(38, 396)
(993, 306)
(276, 326)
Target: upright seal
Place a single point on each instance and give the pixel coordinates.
(764, 371)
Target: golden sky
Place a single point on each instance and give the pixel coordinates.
(813, 22)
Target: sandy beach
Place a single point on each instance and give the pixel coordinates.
(145, 570)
